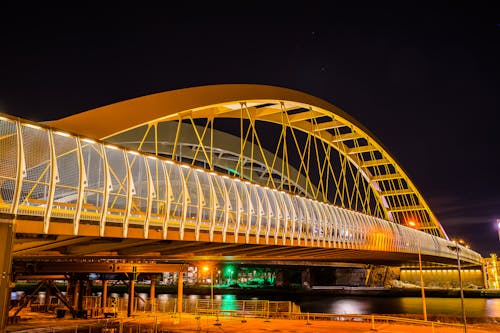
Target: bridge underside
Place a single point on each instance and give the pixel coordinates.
(29, 245)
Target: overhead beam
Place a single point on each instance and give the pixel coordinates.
(210, 248)
(93, 267)
(109, 245)
(49, 245)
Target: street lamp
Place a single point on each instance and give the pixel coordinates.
(206, 268)
(456, 249)
(422, 287)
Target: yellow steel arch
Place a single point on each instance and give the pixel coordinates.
(364, 165)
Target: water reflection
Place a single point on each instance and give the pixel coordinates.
(493, 307)
(228, 302)
(349, 306)
(477, 307)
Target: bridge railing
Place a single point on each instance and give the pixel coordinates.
(52, 175)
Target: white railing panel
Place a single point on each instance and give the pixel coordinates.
(118, 184)
(68, 183)
(10, 157)
(93, 193)
(35, 187)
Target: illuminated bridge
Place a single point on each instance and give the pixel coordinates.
(223, 172)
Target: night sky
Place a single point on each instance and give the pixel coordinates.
(424, 79)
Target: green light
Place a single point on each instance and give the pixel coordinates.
(229, 270)
(229, 273)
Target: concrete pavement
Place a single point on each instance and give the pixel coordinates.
(191, 323)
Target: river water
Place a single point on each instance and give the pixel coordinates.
(474, 307)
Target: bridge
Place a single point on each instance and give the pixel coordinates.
(223, 172)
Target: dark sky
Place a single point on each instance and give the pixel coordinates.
(423, 78)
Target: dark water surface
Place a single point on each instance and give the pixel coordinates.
(475, 307)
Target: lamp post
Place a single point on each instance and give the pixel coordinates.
(422, 288)
(206, 268)
(412, 224)
(456, 249)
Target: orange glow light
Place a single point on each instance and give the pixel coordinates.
(411, 223)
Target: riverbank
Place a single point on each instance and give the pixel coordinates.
(275, 292)
(400, 292)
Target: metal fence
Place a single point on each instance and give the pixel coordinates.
(221, 307)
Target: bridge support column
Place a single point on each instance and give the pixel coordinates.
(6, 242)
(104, 299)
(81, 293)
(152, 291)
(76, 292)
(180, 291)
(131, 292)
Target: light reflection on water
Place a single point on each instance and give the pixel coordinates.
(228, 302)
(479, 307)
(475, 307)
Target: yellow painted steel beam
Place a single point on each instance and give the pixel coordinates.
(362, 149)
(32, 247)
(347, 137)
(375, 162)
(328, 125)
(103, 246)
(23, 277)
(105, 267)
(388, 176)
(406, 208)
(396, 192)
(272, 109)
(306, 115)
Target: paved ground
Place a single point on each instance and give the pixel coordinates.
(38, 323)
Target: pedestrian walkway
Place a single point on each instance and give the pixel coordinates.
(41, 323)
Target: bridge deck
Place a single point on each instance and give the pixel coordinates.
(60, 184)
